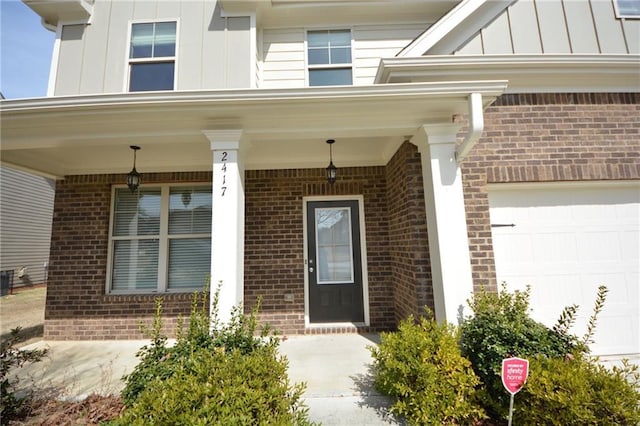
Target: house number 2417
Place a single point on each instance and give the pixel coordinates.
(223, 185)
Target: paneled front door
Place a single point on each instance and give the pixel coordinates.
(334, 262)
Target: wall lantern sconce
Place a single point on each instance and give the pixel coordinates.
(332, 171)
(133, 178)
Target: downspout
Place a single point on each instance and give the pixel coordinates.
(476, 126)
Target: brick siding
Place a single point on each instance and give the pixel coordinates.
(77, 305)
(408, 241)
(274, 242)
(527, 138)
(546, 138)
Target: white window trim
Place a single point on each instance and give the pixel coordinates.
(128, 61)
(308, 67)
(163, 236)
(363, 258)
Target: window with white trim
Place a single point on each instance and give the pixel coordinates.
(329, 58)
(152, 56)
(160, 239)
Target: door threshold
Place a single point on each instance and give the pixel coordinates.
(335, 325)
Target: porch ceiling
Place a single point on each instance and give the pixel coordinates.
(284, 128)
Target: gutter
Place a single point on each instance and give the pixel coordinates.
(476, 127)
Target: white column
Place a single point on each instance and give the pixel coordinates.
(227, 221)
(446, 221)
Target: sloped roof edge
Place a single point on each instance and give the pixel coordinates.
(451, 31)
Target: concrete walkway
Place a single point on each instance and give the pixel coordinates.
(335, 368)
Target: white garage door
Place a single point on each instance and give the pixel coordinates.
(565, 241)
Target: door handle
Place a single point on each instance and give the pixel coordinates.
(311, 269)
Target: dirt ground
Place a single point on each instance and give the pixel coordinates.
(24, 309)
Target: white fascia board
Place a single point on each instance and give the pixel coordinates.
(248, 97)
(467, 16)
(543, 73)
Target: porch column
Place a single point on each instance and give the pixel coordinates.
(227, 220)
(446, 221)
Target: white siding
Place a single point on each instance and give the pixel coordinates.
(212, 52)
(26, 210)
(553, 27)
(557, 26)
(526, 39)
(582, 32)
(284, 60)
(371, 43)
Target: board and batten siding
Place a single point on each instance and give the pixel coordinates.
(284, 54)
(212, 52)
(557, 27)
(26, 211)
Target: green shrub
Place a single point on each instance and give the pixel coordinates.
(578, 391)
(12, 358)
(421, 367)
(500, 328)
(214, 374)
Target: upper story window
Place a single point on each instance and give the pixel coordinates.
(628, 8)
(152, 56)
(329, 58)
(160, 239)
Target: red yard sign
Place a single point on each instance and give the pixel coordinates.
(514, 374)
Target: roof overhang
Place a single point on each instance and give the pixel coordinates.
(455, 28)
(282, 128)
(525, 73)
(301, 13)
(54, 11)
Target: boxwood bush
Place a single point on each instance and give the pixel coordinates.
(578, 391)
(214, 374)
(421, 367)
(500, 328)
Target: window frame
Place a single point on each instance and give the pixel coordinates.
(131, 61)
(310, 67)
(163, 240)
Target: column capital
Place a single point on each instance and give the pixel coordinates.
(436, 134)
(224, 139)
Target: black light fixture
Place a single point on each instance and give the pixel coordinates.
(133, 178)
(332, 171)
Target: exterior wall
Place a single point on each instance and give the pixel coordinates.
(557, 26)
(212, 52)
(26, 209)
(544, 138)
(528, 138)
(408, 241)
(284, 60)
(274, 241)
(77, 306)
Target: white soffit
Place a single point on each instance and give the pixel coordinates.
(525, 73)
(283, 128)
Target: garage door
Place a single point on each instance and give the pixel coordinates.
(565, 241)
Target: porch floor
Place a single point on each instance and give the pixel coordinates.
(336, 369)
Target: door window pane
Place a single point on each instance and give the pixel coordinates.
(334, 246)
